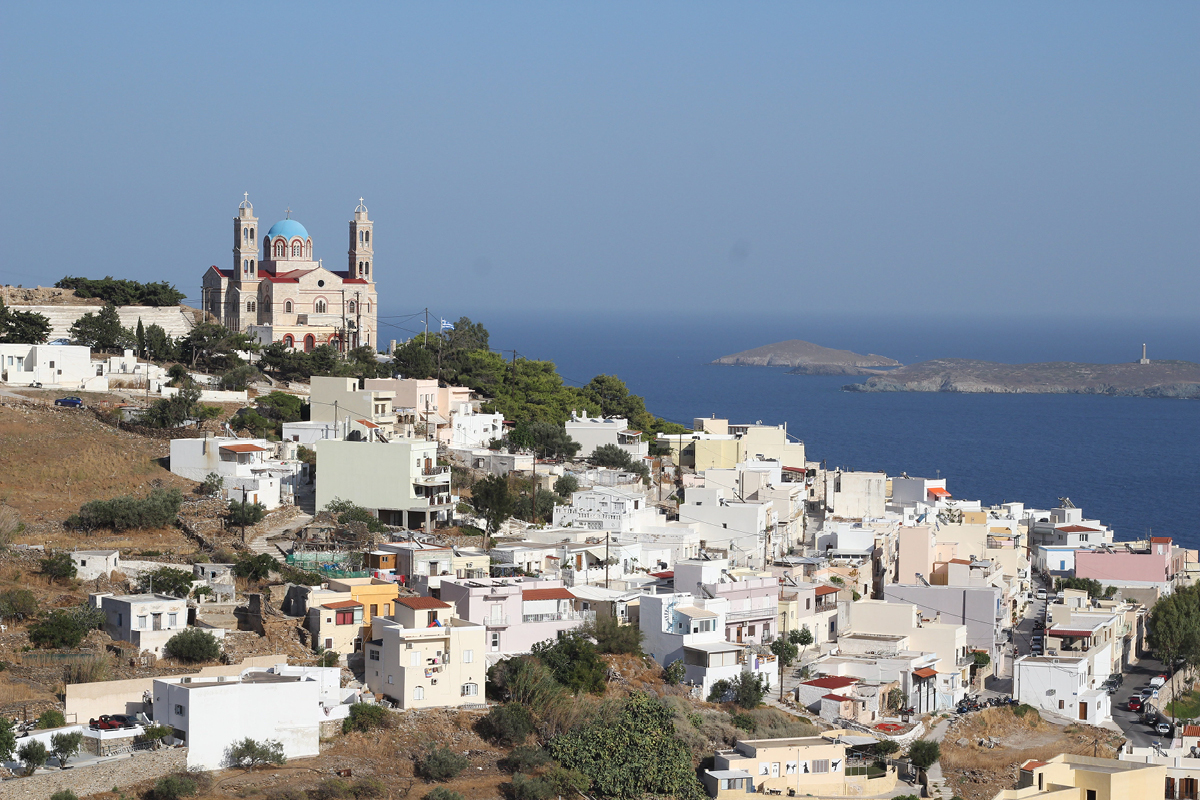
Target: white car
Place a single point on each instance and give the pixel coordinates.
(1041, 594)
(1158, 681)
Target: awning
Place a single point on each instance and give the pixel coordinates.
(714, 647)
(924, 672)
(244, 448)
(824, 590)
(691, 612)
(1071, 634)
(859, 741)
(938, 491)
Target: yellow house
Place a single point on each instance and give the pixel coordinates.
(1072, 777)
(340, 614)
(809, 765)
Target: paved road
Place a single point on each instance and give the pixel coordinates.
(1136, 678)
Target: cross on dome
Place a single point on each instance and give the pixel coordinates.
(287, 214)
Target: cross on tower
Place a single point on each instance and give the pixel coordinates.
(246, 195)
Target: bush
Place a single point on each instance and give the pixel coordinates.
(65, 745)
(566, 485)
(1021, 709)
(368, 788)
(885, 747)
(524, 787)
(442, 793)
(64, 794)
(243, 513)
(507, 725)
(173, 787)
(51, 718)
(441, 764)
(574, 661)
(57, 566)
(924, 753)
(347, 512)
(613, 637)
(157, 510)
(366, 717)
(169, 580)
(193, 644)
(255, 568)
(249, 753)
(746, 690)
(331, 789)
(745, 722)
(213, 483)
(18, 604)
(525, 758)
(674, 672)
(64, 627)
(33, 755)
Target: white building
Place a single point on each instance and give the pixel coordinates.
(605, 509)
(51, 365)
(400, 480)
(254, 470)
(346, 401)
(211, 714)
(145, 620)
(724, 523)
(1062, 686)
(92, 564)
(309, 433)
(470, 430)
(419, 665)
(594, 432)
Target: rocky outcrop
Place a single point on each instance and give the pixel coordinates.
(805, 358)
(1174, 379)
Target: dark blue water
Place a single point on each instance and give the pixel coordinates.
(1133, 463)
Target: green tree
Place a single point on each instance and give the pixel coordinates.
(51, 718)
(243, 513)
(239, 377)
(675, 672)
(631, 753)
(173, 412)
(22, 327)
(157, 510)
(801, 636)
(347, 512)
(366, 717)
(281, 406)
(565, 486)
(786, 652)
(159, 345)
(492, 500)
(508, 725)
(193, 645)
(255, 568)
(924, 753)
(8, 739)
(611, 455)
(58, 566)
(140, 335)
(746, 690)
(574, 661)
(211, 346)
(546, 439)
(173, 787)
(413, 360)
(250, 753)
(441, 764)
(102, 331)
(613, 637)
(33, 754)
(169, 580)
(123, 292)
(65, 745)
(442, 793)
(62, 628)
(1174, 627)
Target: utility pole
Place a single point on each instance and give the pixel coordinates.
(425, 340)
(533, 505)
(243, 515)
(607, 539)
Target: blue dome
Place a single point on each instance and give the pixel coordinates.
(287, 228)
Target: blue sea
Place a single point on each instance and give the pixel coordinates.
(1133, 463)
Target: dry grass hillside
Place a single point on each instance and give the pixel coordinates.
(56, 459)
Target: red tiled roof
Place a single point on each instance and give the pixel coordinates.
(1160, 539)
(547, 594)
(1030, 765)
(1191, 730)
(832, 682)
(344, 604)
(224, 273)
(824, 590)
(244, 448)
(1078, 529)
(925, 672)
(670, 573)
(837, 697)
(421, 603)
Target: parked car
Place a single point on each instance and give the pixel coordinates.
(1146, 693)
(104, 723)
(73, 402)
(1038, 625)
(1135, 704)
(1158, 681)
(1041, 594)
(1163, 729)
(125, 720)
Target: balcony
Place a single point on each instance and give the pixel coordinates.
(432, 476)
(560, 616)
(436, 502)
(496, 622)
(752, 613)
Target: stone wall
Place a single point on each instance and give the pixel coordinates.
(102, 777)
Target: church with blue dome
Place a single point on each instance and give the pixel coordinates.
(277, 292)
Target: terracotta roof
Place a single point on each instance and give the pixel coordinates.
(925, 672)
(1078, 529)
(421, 603)
(1030, 765)
(224, 273)
(547, 594)
(244, 448)
(344, 604)
(1191, 730)
(824, 590)
(793, 469)
(938, 491)
(960, 561)
(832, 682)
(837, 697)
(670, 573)
(1074, 634)
(368, 423)
(1162, 539)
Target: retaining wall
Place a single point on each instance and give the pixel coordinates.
(102, 777)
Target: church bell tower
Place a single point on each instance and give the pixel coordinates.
(362, 254)
(245, 245)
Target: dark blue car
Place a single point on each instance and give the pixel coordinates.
(74, 402)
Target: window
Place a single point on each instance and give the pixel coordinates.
(141, 621)
(245, 234)
(418, 693)
(351, 306)
(280, 248)
(367, 268)
(287, 306)
(320, 306)
(288, 341)
(249, 305)
(82, 563)
(820, 765)
(345, 617)
(470, 689)
(297, 249)
(468, 656)
(415, 659)
(252, 265)
(373, 655)
(171, 619)
(1062, 704)
(368, 235)
(180, 710)
(390, 679)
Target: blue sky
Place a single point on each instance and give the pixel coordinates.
(743, 159)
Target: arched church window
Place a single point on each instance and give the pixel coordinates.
(280, 248)
(288, 341)
(320, 306)
(252, 265)
(252, 233)
(287, 306)
(249, 305)
(245, 265)
(367, 234)
(309, 341)
(297, 249)
(367, 268)
(352, 306)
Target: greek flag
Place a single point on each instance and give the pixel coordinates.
(447, 326)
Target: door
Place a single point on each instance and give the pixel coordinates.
(495, 642)
(1082, 710)
(157, 622)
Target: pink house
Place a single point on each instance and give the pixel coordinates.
(1156, 563)
(516, 612)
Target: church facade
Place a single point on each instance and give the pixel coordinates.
(285, 296)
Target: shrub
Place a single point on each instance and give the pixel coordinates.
(330, 658)
(366, 717)
(674, 672)
(745, 722)
(442, 793)
(367, 788)
(924, 753)
(155, 733)
(57, 566)
(64, 794)
(330, 789)
(885, 747)
(51, 718)
(249, 753)
(62, 628)
(18, 604)
(212, 484)
(8, 739)
(348, 512)
(157, 510)
(193, 644)
(243, 513)
(169, 580)
(507, 725)
(525, 758)
(1021, 709)
(574, 661)
(524, 787)
(613, 637)
(566, 485)
(33, 755)
(65, 745)
(441, 764)
(173, 787)
(255, 568)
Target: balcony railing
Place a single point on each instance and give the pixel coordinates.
(496, 622)
(559, 616)
(753, 613)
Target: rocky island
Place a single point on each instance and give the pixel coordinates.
(1154, 379)
(806, 358)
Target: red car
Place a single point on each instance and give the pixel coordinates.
(105, 723)
(1135, 704)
